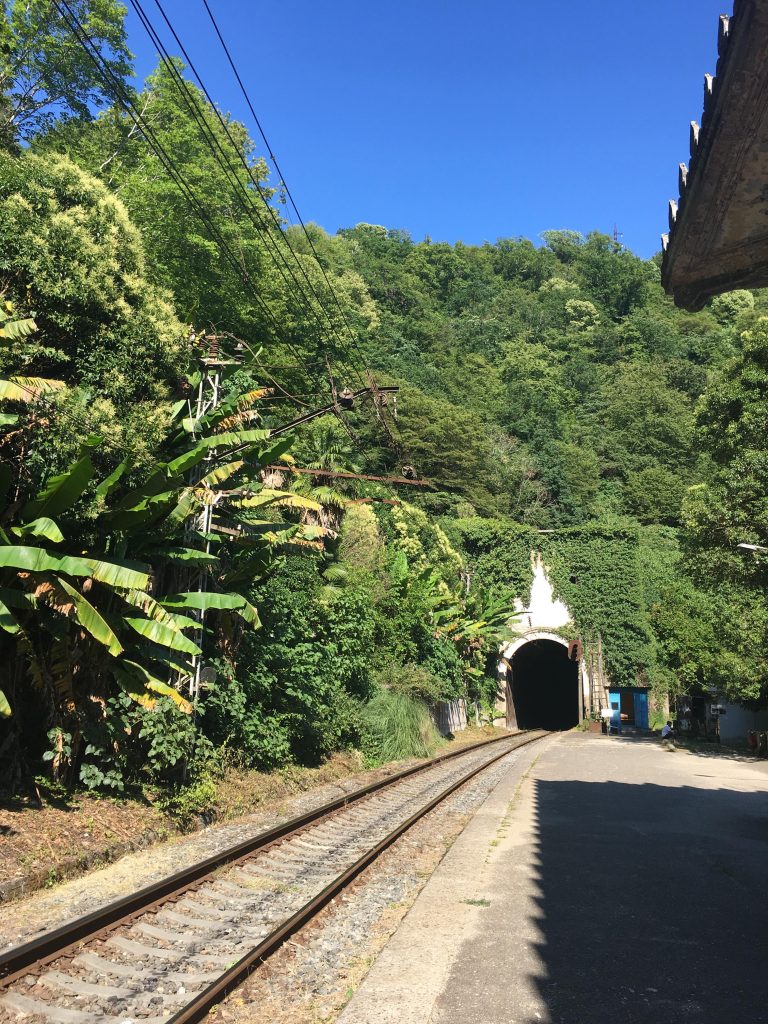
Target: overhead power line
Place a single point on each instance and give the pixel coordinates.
(275, 163)
(396, 442)
(243, 196)
(116, 88)
(287, 262)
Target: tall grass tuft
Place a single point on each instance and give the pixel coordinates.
(397, 726)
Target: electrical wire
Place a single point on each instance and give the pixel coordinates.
(220, 156)
(371, 379)
(277, 167)
(124, 100)
(246, 167)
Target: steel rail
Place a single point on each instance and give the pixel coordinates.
(18, 962)
(202, 1003)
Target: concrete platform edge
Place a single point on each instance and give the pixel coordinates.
(410, 972)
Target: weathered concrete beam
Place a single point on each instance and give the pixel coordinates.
(718, 237)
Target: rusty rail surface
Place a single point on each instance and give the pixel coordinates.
(36, 954)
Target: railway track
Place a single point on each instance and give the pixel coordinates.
(169, 952)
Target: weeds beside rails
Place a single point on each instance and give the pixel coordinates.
(397, 726)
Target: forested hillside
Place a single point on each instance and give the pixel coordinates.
(545, 385)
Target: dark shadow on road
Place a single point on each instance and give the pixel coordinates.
(711, 750)
(699, 749)
(652, 904)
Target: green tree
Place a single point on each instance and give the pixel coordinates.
(448, 444)
(45, 74)
(731, 506)
(71, 257)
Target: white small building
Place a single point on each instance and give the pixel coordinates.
(735, 721)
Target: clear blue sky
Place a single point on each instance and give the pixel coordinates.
(466, 119)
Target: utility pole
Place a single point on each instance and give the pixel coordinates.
(208, 398)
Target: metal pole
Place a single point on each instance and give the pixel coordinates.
(208, 397)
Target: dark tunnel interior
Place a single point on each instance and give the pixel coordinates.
(545, 686)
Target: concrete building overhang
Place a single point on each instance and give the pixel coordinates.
(718, 237)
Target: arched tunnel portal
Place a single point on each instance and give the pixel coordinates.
(543, 686)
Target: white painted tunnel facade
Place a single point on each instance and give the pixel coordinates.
(540, 620)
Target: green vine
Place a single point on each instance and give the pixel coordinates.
(595, 570)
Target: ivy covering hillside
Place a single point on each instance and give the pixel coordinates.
(551, 394)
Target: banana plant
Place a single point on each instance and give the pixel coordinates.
(475, 622)
(325, 448)
(56, 596)
(184, 540)
(20, 390)
(207, 523)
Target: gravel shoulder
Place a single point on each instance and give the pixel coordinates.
(166, 851)
(314, 975)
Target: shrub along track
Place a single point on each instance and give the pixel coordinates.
(169, 952)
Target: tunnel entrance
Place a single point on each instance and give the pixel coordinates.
(545, 686)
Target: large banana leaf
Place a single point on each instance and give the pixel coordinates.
(222, 473)
(90, 619)
(239, 402)
(183, 508)
(109, 483)
(160, 633)
(187, 556)
(275, 451)
(231, 412)
(158, 686)
(42, 527)
(61, 491)
(33, 559)
(145, 651)
(238, 419)
(209, 601)
(284, 499)
(153, 610)
(17, 330)
(7, 619)
(128, 575)
(28, 389)
(129, 673)
(229, 439)
(5, 707)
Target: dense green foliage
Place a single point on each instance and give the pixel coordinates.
(72, 259)
(44, 72)
(554, 397)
